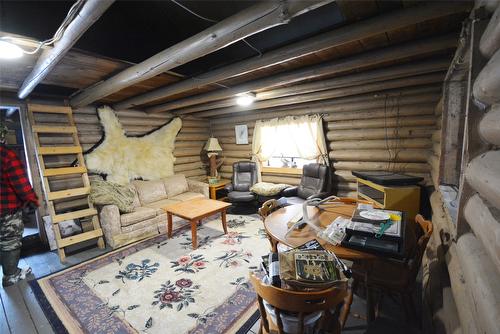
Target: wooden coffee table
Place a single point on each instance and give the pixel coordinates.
(194, 210)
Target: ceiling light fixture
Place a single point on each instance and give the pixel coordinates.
(246, 99)
(9, 50)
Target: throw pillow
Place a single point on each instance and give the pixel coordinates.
(268, 189)
(110, 193)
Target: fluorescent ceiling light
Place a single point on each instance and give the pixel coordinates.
(245, 100)
(10, 51)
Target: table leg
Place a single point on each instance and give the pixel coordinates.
(169, 224)
(370, 311)
(224, 223)
(194, 235)
(213, 193)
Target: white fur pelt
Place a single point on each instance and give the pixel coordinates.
(125, 158)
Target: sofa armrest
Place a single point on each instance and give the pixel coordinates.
(228, 187)
(198, 187)
(110, 223)
(290, 191)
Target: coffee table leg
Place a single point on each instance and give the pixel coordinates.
(194, 235)
(224, 223)
(169, 224)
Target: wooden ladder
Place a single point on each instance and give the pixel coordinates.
(62, 149)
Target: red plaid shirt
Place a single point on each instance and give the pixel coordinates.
(15, 188)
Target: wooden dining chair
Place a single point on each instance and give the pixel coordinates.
(299, 303)
(395, 277)
(267, 208)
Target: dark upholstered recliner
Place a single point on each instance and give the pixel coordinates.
(244, 177)
(315, 182)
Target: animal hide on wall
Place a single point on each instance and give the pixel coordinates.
(125, 158)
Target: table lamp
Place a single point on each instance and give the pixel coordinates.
(213, 149)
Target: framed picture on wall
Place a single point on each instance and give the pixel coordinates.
(241, 132)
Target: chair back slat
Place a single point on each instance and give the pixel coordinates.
(267, 207)
(299, 302)
(416, 258)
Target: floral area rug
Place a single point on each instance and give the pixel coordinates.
(161, 285)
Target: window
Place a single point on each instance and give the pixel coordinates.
(289, 142)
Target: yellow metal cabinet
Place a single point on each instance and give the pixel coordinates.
(402, 198)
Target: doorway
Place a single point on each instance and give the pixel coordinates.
(11, 117)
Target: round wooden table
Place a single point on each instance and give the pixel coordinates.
(276, 225)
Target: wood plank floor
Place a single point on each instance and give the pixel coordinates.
(21, 314)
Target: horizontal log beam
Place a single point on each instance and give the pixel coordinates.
(490, 40)
(356, 62)
(259, 17)
(390, 99)
(382, 122)
(330, 94)
(390, 133)
(337, 37)
(89, 13)
(380, 144)
(382, 166)
(487, 85)
(419, 109)
(483, 174)
(489, 126)
(485, 222)
(405, 155)
(482, 279)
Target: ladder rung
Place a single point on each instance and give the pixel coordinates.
(49, 109)
(74, 215)
(54, 129)
(74, 239)
(52, 150)
(64, 171)
(68, 193)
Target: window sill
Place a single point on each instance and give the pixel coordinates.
(282, 170)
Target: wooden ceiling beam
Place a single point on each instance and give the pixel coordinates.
(90, 12)
(343, 35)
(425, 79)
(368, 77)
(380, 56)
(259, 17)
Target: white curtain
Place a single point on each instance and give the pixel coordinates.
(291, 136)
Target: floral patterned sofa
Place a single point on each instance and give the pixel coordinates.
(148, 218)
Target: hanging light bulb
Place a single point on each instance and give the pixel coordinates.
(245, 100)
(9, 50)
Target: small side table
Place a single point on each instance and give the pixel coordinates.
(217, 186)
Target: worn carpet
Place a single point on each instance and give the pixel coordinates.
(161, 285)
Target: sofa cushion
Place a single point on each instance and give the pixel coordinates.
(150, 191)
(268, 189)
(138, 215)
(187, 196)
(159, 205)
(175, 185)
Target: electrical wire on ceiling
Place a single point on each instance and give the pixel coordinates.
(72, 13)
(213, 21)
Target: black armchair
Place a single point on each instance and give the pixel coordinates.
(315, 183)
(244, 177)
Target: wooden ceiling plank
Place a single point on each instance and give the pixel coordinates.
(90, 12)
(329, 68)
(336, 37)
(257, 18)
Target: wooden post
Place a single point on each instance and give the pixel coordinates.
(88, 14)
(257, 18)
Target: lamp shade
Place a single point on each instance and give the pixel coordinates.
(212, 145)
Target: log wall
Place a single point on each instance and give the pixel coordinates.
(388, 130)
(188, 145)
(469, 241)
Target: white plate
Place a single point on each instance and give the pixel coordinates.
(375, 215)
